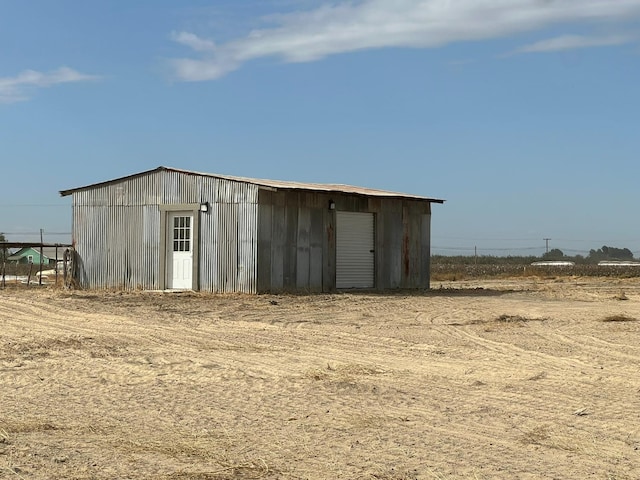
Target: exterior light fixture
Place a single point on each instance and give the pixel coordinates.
(332, 205)
(204, 207)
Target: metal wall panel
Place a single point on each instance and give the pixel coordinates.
(278, 243)
(425, 249)
(263, 265)
(247, 280)
(290, 241)
(116, 230)
(315, 250)
(229, 237)
(112, 252)
(303, 244)
(297, 239)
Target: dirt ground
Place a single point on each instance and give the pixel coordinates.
(516, 379)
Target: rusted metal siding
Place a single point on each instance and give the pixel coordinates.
(297, 240)
(254, 237)
(117, 231)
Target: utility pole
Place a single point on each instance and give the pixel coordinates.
(41, 254)
(547, 242)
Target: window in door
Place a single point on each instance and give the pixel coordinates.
(182, 234)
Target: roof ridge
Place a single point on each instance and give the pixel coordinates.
(277, 184)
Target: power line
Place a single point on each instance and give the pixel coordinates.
(481, 239)
(486, 249)
(35, 233)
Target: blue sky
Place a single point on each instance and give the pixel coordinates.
(523, 114)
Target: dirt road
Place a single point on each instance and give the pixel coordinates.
(522, 379)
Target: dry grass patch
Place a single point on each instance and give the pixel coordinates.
(210, 449)
(4, 436)
(538, 376)
(536, 436)
(504, 318)
(393, 474)
(42, 348)
(344, 372)
(563, 440)
(250, 470)
(619, 318)
(26, 426)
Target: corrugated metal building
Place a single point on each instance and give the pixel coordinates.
(175, 229)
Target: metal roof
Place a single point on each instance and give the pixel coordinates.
(270, 184)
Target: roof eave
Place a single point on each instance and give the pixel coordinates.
(258, 182)
(345, 192)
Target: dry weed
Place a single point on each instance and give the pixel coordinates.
(619, 318)
(545, 436)
(205, 448)
(345, 372)
(512, 318)
(538, 376)
(249, 470)
(393, 474)
(536, 436)
(27, 426)
(13, 470)
(42, 348)
(505, 319)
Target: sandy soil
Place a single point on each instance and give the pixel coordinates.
(520, 379)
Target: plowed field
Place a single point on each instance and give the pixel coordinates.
(522, 379)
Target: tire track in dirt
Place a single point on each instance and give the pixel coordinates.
(42, 317)
(499, 347)
(566, 382)
(159, 338)
(597, 347)
(326, 388)
(503, 354)
(564, 379)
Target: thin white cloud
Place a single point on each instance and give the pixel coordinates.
(570, 42)
(16, 89)
(193, 41)
(366, 24)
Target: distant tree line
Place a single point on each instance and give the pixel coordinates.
(611, 253)
(594, 256)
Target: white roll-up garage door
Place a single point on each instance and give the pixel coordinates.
(354, 250)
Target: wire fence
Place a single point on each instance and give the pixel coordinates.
(50, 269)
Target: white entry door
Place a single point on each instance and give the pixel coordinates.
(180, 251)
(355, 258)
